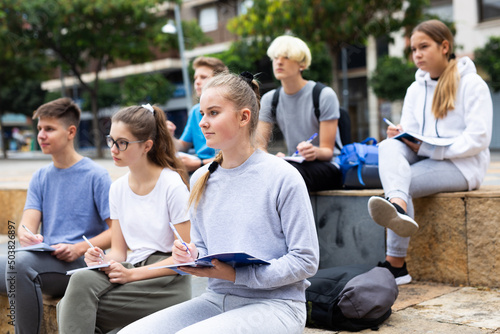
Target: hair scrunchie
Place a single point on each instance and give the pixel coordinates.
(248, 77)
(148, 107)
(452, 56)
(213, 167)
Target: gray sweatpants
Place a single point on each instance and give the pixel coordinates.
(32, 274)
(214, 313)
(406, 175)
(93, 304)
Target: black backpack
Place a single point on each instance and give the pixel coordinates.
(350, 298)
(344, 124)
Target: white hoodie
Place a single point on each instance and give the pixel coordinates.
(470, 123)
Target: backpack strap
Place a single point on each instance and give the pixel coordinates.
(274, 103)
(316, 93)
(318, 87)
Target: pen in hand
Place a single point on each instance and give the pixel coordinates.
(28, 230)
(307, 141)
(92, 246)
(390, 123)
(179, 237)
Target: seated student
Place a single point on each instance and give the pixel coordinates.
(143, 203)
(447, 100)
(204, 69)
(296, 118)
(247, 201)
(68, 198)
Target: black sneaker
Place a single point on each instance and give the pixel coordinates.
(392, 216)
(400, 274)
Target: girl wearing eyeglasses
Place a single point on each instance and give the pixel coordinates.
(249, 201)
(142, 203)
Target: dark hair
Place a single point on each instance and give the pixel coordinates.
(144, 125)
(215, 64)
(242, 92)
(63, 109)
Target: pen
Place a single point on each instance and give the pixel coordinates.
(92, 246)
(179, 237)
(389, 122)
(33, 234)
(307, 141)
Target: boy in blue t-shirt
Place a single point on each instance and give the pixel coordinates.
(67, 199)
(204, 69)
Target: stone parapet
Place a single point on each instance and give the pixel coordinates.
(458, 241)
(49, 322)
(459, 238)
(11, 207)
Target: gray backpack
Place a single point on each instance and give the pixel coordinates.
(351, 298)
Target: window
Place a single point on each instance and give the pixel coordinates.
(208, 19)
(442, 9)
(489, 9)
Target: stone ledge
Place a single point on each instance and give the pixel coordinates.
(49, 323)
(459, 240)
(12, 205)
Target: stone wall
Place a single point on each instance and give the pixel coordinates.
(11, 207)
(459, 238)
(458, 241)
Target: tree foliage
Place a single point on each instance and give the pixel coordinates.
(89, 35)
(336, 23)
(21, 71)
(146, 88)
(248, 56)
(392, 78)
(109, 95)
(488, 58)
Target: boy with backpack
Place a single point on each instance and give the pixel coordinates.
(306, 135)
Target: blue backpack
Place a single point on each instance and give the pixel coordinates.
(358, 163)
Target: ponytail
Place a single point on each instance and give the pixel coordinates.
(163, 152)
(446, 88)
(445, 93)
(243, 92)
(149, 122)
(199, 186)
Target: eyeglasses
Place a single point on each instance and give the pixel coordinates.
(121, 144)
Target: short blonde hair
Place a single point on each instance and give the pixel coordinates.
(292, 47)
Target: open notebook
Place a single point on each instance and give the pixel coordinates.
(235, 259)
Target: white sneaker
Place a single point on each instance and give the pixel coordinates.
(385, 214)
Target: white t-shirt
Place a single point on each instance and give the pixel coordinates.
(144, 219)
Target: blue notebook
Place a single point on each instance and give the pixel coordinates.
(41, 247)
(235, 259)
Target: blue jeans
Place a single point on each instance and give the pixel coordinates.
(219, 313)
(406, 175)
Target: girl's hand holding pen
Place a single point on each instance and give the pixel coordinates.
(393, 129)
(94, 256)
(180, 254)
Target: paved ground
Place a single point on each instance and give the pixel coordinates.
(421, 307)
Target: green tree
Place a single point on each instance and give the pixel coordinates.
(146, 88)
(21, 71)
(488, 58)
(88, 35)
(109, 95)
(338, 23)
(392, 78)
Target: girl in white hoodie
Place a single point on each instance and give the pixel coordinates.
(447, 100)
